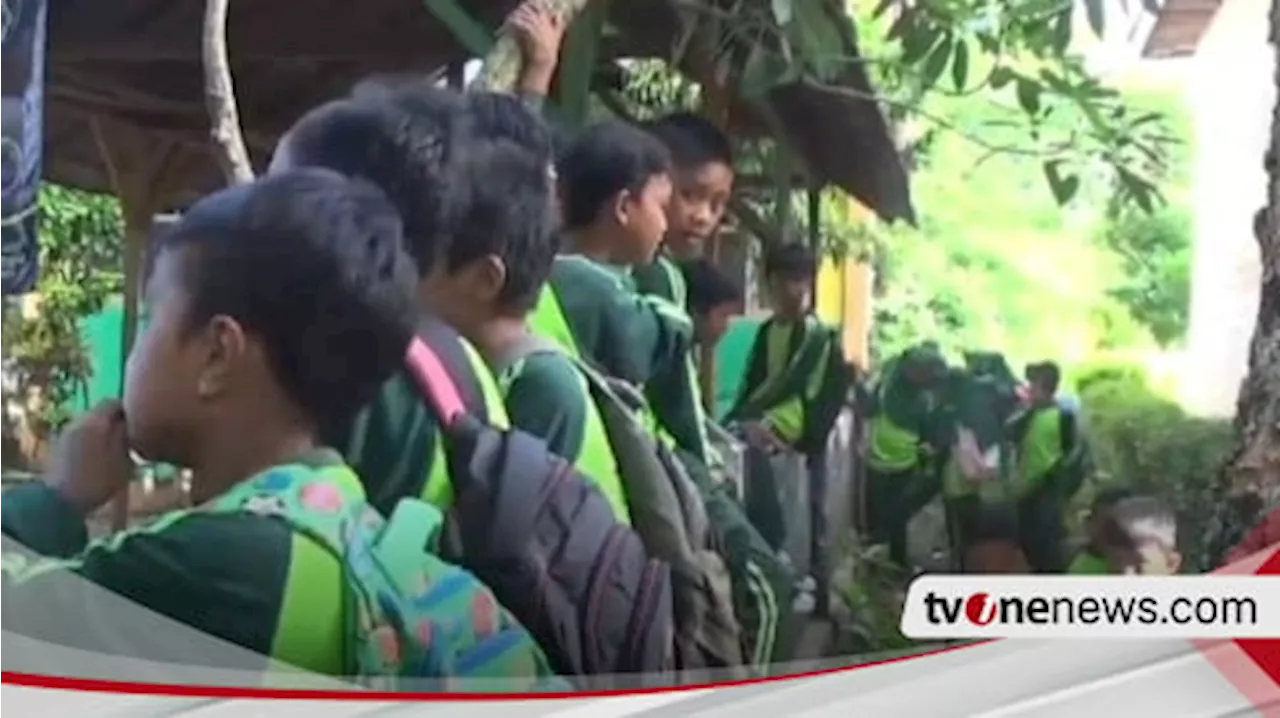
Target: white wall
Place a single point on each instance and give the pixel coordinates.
(1231, 93)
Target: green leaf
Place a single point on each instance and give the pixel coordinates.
(901, 27)
(1146, 118)
(1062, 30)
(782, 11)
(1063, 186)
(1139, 188)
(960, 65)
(937, 61)
(882, 7)
(918, 41)
(1056, 82)
(1002, 76)
(1029, 95)
(1095, 9)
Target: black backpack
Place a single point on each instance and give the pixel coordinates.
(668, 514)
(547, 544)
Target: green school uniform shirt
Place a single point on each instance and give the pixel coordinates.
(544, 399)
(625, 334)
(393, 443)
(796, 380)
(673, 392)
(549, 398)
(246, 579)
(1088, 563)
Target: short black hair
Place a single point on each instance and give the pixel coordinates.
(499, 116)
(403, 143)
(502, 203)
(603, 160)
(708, 286)
(995, 523)
(791, 260)
(312, 264)
(1107, 498)
(1046, 374)
(692, 140)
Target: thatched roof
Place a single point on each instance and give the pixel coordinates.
(127, 74)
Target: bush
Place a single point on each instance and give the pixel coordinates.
(1145, 441)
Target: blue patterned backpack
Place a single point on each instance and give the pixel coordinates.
(412, 615)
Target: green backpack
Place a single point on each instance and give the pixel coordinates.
(412, 615)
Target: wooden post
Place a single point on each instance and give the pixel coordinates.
(137, 186)
(715, 109)
(456, 75)
(859, 298)
(577, 69)
(707, 373)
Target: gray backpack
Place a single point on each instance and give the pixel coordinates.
(668, 514)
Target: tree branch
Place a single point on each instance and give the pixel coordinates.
(220, 97)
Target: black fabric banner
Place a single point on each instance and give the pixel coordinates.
(20, 152)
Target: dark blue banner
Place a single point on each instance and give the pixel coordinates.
(21, 149)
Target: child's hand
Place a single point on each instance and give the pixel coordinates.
(539, 32)
(91, 462)
(762, 436)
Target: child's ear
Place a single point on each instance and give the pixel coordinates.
(490, 276)
(622, 207)
(225, 347)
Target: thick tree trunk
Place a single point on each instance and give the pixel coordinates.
(220, 97)
(1252, 475)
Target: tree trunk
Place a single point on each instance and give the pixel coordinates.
(220, 97)
(501, 69)
(1255, 468)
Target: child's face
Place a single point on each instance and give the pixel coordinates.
(166, 373)
(1154, 559)
(697, 206)
(465, 296)
(643, 218)
(712, 325)
(789, 296)
(995, 557)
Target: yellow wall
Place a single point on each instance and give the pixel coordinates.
(828, 300)
(843, 298)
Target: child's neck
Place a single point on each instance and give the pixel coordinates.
(595, 243)
(495, 336)
(226, 458)
(679, 251)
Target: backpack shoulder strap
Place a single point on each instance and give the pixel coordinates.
(315, 502)
(434, 381)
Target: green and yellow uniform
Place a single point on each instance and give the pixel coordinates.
(244, 578)
(1048, 473)
(393, 443)
(547, 396)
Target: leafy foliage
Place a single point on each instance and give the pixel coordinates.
(997, 262)
(1145, 441)
(872, 589)
(80, 269)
